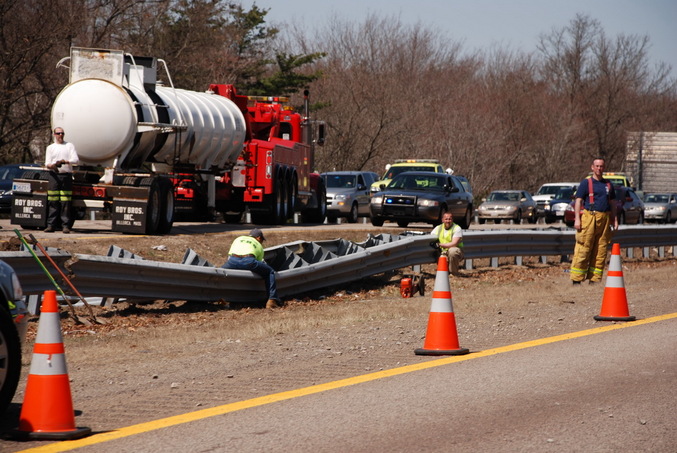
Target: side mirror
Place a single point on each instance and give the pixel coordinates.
(361, 187)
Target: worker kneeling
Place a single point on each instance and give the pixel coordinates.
(246, 253)
(450, 238)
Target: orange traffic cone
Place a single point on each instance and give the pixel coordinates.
(615, 301)
(441, 337)
(47, 410)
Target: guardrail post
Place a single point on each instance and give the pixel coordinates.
(518, 260)
(646, 252)
(630, 252)
(494, 261)
(661, 252)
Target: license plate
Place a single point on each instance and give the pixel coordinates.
(21, 187)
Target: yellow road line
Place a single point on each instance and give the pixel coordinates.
(282, 396)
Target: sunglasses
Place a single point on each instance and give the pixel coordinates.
(58, 133)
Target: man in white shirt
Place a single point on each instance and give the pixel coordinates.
(450, 237)
(59, 160)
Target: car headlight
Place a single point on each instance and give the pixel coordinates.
(424, 202)
(512, 208)
(342, 196)
(377, 200)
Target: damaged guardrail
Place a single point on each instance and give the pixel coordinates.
(300, 266)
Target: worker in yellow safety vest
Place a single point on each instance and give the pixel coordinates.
(246, 252)
(594, 225)
(450, 238)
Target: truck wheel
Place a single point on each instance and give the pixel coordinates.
(292, 196)
(154, 208)
(166, 221)
(10, 358)
(318, 213)
(352, 215)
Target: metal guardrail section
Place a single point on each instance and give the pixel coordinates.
(301, 266)
(556, 241)
(33, 279)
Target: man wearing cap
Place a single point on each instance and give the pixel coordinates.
(246, 252)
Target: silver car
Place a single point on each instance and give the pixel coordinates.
(348, 194)
(512, 205)
(660, 207)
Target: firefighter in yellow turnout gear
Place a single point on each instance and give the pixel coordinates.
(594, 225)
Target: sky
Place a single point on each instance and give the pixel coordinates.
(486, 24)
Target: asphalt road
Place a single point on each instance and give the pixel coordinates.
(604, 390)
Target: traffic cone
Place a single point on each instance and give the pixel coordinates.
(47, 410)
(615, 301)
(441, 337)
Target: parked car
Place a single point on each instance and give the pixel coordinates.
(661, 207)
(348, 194)
(547, 192)
(555, 208)
(629, 208)
(422, 196)
(7, 175)
(402, 165)
(12, 332)
(512, 205)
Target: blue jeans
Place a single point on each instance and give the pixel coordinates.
(249, 263)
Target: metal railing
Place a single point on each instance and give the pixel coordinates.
(301, 266)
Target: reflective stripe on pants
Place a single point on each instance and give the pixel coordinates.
(591, 247)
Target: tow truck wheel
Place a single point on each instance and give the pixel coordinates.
(10, 358)
(166, 198)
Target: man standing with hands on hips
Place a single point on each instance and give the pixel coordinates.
(594, 225)
(59, 160)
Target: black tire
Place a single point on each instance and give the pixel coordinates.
(421, 286)
(518, 218)
(292, 196)
(166, 221)
(10, 355)
(332, 219)
(154, 208)
(482, 221)
(668, 217)
(352, 215)
(275, 206)
(319, 212)
(377, 221)
(402, 223)
(467, 218)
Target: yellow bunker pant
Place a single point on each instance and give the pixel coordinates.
(591, 247)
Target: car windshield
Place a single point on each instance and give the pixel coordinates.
(564, 194)
(417, 182)
(9, 173)
(504, 196)
(340, 181)
(394, 171)
(656, 198)
(548, 190)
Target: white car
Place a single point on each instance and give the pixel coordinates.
(547, 192)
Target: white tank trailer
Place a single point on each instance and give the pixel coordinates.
(149, 151)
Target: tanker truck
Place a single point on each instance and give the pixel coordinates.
(151, 154)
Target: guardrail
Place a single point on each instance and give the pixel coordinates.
(302, 266)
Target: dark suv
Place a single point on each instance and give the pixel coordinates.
(12, 332)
